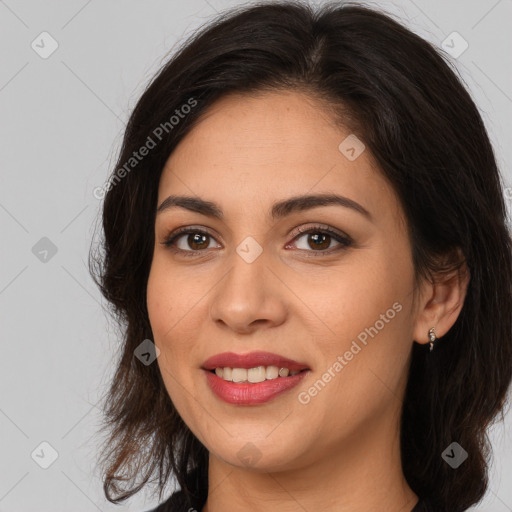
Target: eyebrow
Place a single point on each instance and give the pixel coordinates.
(279, 210)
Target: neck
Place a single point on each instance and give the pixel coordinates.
(363, 474)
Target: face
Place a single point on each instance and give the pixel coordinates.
(335, 296)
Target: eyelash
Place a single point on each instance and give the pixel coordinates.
(344, 240)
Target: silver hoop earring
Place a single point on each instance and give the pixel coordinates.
(432, 337)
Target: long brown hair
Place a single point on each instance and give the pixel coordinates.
(401, 97)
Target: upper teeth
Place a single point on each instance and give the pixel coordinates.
(258, 374)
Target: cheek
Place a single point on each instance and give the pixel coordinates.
(159, 301)
(168, 299)
(353, 298)
(164, 312)
(174, 308)
(365, 313)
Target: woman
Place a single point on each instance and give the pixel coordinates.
(305, 243)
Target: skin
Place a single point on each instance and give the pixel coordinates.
(339, 452)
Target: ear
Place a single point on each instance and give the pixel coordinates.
(440, 303)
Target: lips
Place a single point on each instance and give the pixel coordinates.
(246, 393)
(252, 360)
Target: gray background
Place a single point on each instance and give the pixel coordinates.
(62, 121)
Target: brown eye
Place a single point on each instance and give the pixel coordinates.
(197, 241)
(188, 240)
(319, 240)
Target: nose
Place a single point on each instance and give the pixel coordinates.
(249, 297)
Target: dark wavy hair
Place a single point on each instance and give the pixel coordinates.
(402, 97)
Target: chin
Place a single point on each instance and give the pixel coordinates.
(259, 456)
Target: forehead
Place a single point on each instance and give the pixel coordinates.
(257, 149)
